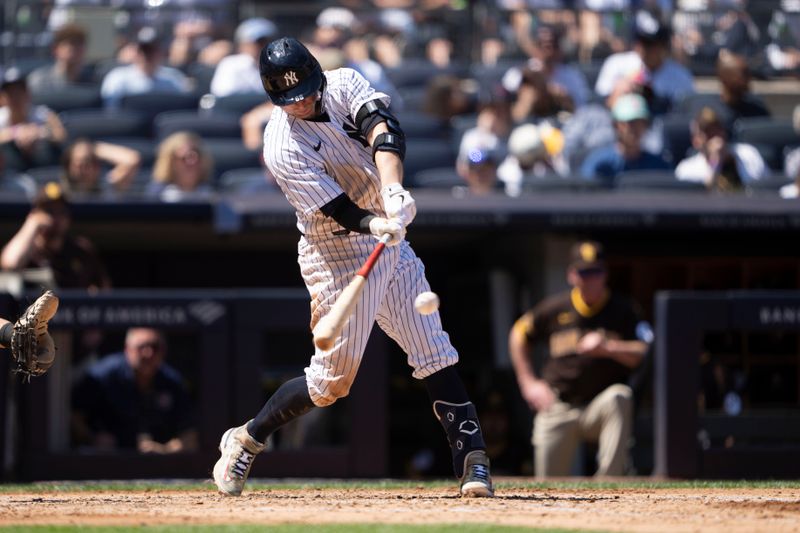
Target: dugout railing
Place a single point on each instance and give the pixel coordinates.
(234, 339)
(682, 318)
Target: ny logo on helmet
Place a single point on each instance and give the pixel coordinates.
(290, 78)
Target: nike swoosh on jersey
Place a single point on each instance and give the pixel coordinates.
(318, 146)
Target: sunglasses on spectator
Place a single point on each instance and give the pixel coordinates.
(189, 156)
(589, 272)
(155, 346)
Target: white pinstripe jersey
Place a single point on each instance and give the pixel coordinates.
(314, 162)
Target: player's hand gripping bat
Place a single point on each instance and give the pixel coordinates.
(330, 326)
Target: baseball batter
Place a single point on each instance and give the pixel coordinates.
(336, 151)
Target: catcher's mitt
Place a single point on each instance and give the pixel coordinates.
(32, 347)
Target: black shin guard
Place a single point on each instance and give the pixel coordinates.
(457, 415)
(290, 401)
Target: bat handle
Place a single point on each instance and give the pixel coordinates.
(373, 257)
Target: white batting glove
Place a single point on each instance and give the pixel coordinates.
(398, 203)
(379, 226)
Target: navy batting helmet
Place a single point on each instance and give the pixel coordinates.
(289, 72)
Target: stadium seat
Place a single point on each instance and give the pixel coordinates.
(423, 154)
(230, 154)
(554, 184)
(417, 73)
(438, 178)
(73, 97)
(413, 98)
(677, 137)
(459, 125)
(234, 103)
(768, 186)
(43, 175)
(203, 124)
(146, 147)
(245, 181)
(154, 103)
(202, 75)
(418, 125)
(108, 124)
(655, 179)
(770, 136)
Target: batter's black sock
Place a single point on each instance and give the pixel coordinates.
(5, 334)
(456, 413)
(290, 401)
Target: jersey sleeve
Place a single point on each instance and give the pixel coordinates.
(302, 178)
(525, 326)
(357, 91)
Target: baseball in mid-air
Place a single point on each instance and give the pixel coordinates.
(426, 302)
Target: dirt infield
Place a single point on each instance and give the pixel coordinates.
(630, 509)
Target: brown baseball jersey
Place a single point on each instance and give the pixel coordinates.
(561, 321)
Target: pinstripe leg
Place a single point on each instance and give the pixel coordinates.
(327, 271)
(421, 337)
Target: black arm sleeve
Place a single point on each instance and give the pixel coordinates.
(347, 214)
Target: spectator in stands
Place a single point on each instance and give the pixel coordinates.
(631, 120)
(783, 51)
(189, 37)
(792, 164)
(334, 26)
(447, 96)
(145, 75)
(30, 136)
(718, 163)
(492, 127)
(239, 73)
(537, 99)
(735, 97)
(45, 241)
(82, 171)
(477, 166)
(183, 169)
(596, 339)
(69, 66)
(650, 60)
(546, 56)
(534, 152)
(134, 400)
(356, 55)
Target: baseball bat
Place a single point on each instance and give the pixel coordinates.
(330, 326)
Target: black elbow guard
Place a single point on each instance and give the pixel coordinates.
(373, 113)
(390, 142)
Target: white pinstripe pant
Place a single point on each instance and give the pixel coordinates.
(327, 266)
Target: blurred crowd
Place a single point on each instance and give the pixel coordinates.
(501, 96)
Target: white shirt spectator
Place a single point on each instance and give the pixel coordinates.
(236, 74)
(671, 80)
(749, 163)
(129, 79)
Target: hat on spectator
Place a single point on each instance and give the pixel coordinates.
(254, 30)
(147, 38)
(529, 142)
(396, 20)
(479, 147)
(11, 76)
(340, 18)
(525, 143)
(630, 107)
(50, 196)
(649, 29)
(587, 254)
